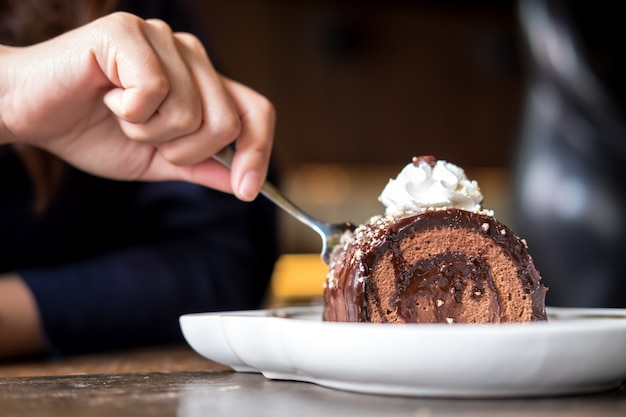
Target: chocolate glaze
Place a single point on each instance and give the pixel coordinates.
(440, 277)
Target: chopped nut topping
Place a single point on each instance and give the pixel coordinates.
(485, 227)
(450, 320)
(439, 303)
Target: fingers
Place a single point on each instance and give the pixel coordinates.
(254, 144)
(221, 123)
(158, 100)
(232, 113)
(141, 88)
(176, 101)
(253, 149)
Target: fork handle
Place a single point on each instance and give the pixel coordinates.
(225, 157)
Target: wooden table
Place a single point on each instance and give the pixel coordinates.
(175, 381)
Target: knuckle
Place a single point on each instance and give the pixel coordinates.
(190, 41)
(267, 108)
(186, 121)
(160, 25)
(225, 129)
(126, 22)
(156, 87)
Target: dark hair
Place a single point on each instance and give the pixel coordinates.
(26, 22)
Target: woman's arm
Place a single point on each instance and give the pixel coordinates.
(125, 278)
(20, 327)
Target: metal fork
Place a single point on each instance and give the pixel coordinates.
(329, 232)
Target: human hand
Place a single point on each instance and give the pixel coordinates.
(127, 98)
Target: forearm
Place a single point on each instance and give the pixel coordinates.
(134, 296)
(20, 328)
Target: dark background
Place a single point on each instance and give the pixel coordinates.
(377, 81)
(362, 86)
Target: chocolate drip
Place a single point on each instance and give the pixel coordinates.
(440, 282)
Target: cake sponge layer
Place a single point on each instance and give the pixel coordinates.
(441, 266)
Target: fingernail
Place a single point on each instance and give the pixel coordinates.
(249, 186)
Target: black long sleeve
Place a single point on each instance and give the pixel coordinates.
(114, 264)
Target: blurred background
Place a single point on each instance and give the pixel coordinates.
(527, 97)
(362, 86)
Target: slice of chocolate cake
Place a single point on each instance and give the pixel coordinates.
(433, 263)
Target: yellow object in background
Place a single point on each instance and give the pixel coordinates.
(297, 279)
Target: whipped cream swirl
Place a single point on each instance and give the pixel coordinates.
(427, 184)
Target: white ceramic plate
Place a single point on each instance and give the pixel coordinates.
(576, 351)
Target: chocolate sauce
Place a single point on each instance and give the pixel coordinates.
(439, 280)
(442, 280)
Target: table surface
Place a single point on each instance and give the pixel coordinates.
(175, 381)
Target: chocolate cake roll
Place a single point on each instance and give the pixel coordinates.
(438, 266)
(436, 256)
